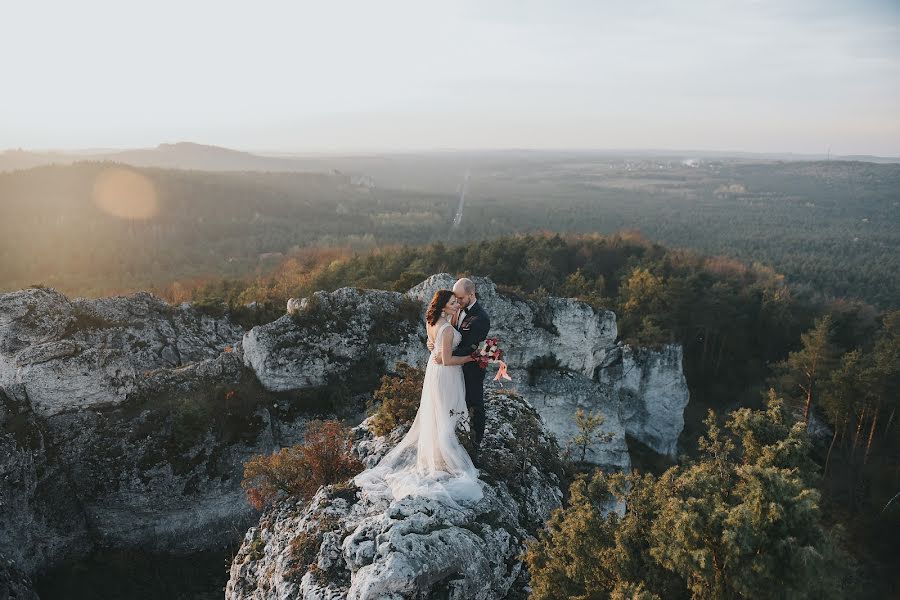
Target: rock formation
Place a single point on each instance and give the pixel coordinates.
(74, 354)
(562, 355)
(111, 430)
(125, 421)
(14, 584)
(331, 333)
(345, 544)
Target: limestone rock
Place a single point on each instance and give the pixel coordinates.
(344, 544)
(652, 393)
(41, 520)
(75, 354)
(115, 428)
(640, 392)
(330, 334)
(160, 471)
(557, 395)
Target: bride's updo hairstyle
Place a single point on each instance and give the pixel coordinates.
(438, 302)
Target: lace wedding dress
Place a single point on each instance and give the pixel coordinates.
(429, 461)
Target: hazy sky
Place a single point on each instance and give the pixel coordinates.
(781, 75)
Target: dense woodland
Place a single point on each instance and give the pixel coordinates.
(830, 226)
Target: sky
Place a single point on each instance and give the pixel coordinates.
(760, 76)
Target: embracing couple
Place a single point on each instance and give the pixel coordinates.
(429, 461)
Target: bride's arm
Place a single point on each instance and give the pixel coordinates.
(447, 350)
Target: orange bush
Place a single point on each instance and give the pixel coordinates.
(300, 470)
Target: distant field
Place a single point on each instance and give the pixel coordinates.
(830, 225)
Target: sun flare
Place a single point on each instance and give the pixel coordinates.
(125, 193)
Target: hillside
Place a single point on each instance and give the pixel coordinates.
(181, 155)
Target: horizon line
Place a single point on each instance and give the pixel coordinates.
(272, 153)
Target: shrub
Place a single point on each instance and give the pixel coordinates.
(300, 470)
(397, 400)
(257, 548)
(304, 548)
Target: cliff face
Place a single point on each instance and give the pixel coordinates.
(345, 544)
(112, 428)
(126, 421)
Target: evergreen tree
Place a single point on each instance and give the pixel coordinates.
(804, 370)
(743, 521)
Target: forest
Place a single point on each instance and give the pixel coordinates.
(829, 226)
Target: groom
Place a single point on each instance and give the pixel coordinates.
(473, 323)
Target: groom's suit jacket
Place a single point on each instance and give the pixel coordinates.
(474, 329)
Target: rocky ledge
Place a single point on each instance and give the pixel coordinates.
(345, 544)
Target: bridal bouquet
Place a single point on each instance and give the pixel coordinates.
(488, 352)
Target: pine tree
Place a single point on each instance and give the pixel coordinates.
(805, 369)
(588, 425)
(742, 521)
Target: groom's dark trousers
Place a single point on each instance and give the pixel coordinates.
(474, 329)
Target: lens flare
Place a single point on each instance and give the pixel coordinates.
(125, 193)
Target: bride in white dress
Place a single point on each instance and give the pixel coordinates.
(429, 461)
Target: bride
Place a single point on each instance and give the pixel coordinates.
(429, 461)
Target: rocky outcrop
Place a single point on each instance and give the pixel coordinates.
(75, 354)
(345, 544)
(41, 519)
(332, 333)
(124, 422)
(557, 395)
(649, 387)
(160, 471)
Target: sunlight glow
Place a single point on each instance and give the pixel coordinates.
(125, 193)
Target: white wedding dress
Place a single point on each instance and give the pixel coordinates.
(429, 461)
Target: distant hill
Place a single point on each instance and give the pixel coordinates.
(183, 155)
(202, 157)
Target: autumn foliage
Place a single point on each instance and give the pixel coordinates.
(300, 470)
(397, 400)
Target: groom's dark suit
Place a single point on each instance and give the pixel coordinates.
(474, 328)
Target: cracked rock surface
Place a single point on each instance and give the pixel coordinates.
(345, 544)
(74, 354)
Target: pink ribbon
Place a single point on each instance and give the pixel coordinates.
(501, 372)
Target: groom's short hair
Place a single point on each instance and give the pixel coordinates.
(467, 285)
